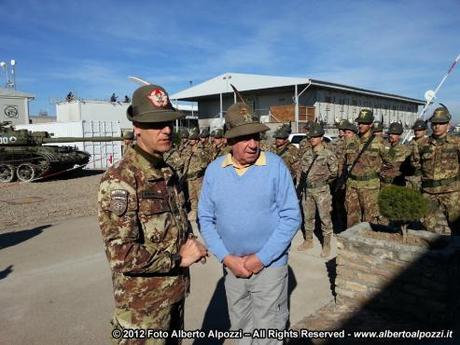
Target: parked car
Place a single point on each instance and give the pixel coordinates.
(296, 138)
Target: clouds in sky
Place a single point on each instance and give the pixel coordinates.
(90, 47)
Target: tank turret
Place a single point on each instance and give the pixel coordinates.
(23, 154)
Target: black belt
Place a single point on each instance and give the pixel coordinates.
(439, 183)
(367, 177)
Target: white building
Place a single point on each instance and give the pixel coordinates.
(282, 99)
(93, 110)
(14, 106)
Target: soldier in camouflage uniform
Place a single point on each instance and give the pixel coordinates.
(319, 168)
(219, 146)
(128, 139)
(264, 144)
(415, 179)
(438, 158)
(377, 129)
(287, 151)
(304, 144)
(205, 142)
(349, 131)
(146, 235)
(363, 184)
(195, 159)
(397, 155)
(174, 156)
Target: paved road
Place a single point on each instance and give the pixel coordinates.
(56, 287)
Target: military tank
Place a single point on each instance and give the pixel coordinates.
(24, 156)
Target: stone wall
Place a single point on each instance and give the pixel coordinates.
(379, 272)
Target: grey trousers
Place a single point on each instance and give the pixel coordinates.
(258, 302)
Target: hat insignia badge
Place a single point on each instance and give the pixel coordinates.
(158, 98)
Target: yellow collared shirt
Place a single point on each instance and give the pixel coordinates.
(228, 160)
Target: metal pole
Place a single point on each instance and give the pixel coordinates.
(221, 105)
(296, 97)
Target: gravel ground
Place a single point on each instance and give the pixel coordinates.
(37, 203)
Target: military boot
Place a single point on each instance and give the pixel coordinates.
(326, 252)
(305, 245)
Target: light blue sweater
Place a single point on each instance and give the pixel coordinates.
(256, 213)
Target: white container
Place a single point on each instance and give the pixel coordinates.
(103, 154)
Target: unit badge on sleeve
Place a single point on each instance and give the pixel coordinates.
(118, 201)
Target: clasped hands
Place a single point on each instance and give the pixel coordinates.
(243, 266)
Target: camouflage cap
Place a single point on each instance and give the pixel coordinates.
(365, 116)
(194, 133)
(395, 128)
(184, 133)
(378, 127)
(204, 133)
(150, 103)
(217, 133)
(419, 125)
(316, 130)
(128, 135)
(282, 132)
(240, 121)
(441, 115)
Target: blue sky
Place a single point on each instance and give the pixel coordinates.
(91, 47)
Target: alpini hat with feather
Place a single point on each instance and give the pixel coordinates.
(441, 115)
(365, 116)
(240, 120)
(150, 103)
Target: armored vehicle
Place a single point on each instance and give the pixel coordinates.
(23, 155)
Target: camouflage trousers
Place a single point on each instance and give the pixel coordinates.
(361, 205)
(317, 199)
(414, 182)
(338, 204)
(445, 206)
(194, 188)
(167, 318)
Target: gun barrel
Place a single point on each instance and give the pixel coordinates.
(77, 139)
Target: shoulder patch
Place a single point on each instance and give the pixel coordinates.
(118, 201)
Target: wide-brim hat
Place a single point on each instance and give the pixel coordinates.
(365, 116)
(441, 115)
(240, 121)
(150, 103)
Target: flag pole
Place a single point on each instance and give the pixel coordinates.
(432, 94)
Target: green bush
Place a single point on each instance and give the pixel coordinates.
(402, 205)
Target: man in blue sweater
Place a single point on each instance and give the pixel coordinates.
(248, 214)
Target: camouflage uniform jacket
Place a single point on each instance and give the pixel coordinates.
(219, 150)
(339, 147)
(290, 155)
(264, 145)
(321, 170)
(195, 159)
(439, 162)
(396, 155)
(367, 169)
(174, 157)
(413, 147)
(143, 224)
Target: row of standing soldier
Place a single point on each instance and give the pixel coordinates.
(360, 163)
(355, 167)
